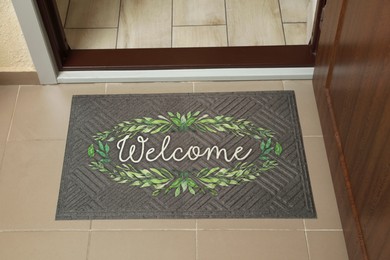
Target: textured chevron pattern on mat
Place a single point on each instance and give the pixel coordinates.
(282, 191)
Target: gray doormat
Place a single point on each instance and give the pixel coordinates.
(220, 155)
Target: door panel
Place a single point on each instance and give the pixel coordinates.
(353, 96)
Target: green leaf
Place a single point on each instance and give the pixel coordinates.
(188, 114)
(177, 191)
(278, 149)
(176, 121)
(105, 160)
(268, 144)
(196, 113)
(210, 129)
(157, 171)
(191, 121)
(91, 151)
(176, 183)
(163, 117)
(207, 121)
(101, 146)
(191, 183)
(158, 181)
(192, 191)
(184, 185)
(157, 130)
(159, 122)
(106, 148)
(262, 145)
(102, 154)
(212, 171)
(183, 120)
(178, 115)
(136, 183)
(156, 192)
(209, 180)
(111, 139)
(213, 192)
(171, 114)
(268, 150)
(146, 184)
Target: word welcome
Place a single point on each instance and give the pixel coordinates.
(193, 153)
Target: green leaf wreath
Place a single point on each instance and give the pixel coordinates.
(162, 180)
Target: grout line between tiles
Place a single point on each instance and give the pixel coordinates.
(281, 21)
(105, 88)
(117, 27)
(66, 14)
(307, 240)
(193, 87)
(196, 229)
(325, 230)
(227, 27)
(42, 230)
(196, 241)
(88, 244)
(143, 230)
(13, 114)
(199, 25)
(171, 23)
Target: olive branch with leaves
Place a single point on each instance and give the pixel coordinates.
(164, 180)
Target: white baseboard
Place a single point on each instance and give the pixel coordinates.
(185, 75)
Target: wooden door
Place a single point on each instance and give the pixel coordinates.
(352, 85)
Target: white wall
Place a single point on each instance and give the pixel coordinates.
(14, 54)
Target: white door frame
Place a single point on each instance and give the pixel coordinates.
(43, 59)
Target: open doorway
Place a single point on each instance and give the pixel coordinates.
(116, 24)
(164, 34)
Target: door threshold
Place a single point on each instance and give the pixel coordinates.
(239, 74)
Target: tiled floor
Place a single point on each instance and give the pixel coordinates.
(110, 24)
(33, 124)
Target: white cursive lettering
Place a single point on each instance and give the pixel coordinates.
(193, 153)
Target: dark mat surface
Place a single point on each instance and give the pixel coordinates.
(220, 155)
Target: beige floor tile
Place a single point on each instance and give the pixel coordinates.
(238, 86)
(321, 182)
(144, 224)
(249, 245)
(2, 150)
(29, 185)
(145, 24)
(149, 88)
(93, 14)
(327, 245)
(43, 245)
(145, 245)
(295, 33)
(8, 96)
(307, 108)
(199, 36)
(62, 6)
(91, 38)
(294, 11)
(236, 224)
(198, 12)
(254, 23)
(42, 112)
